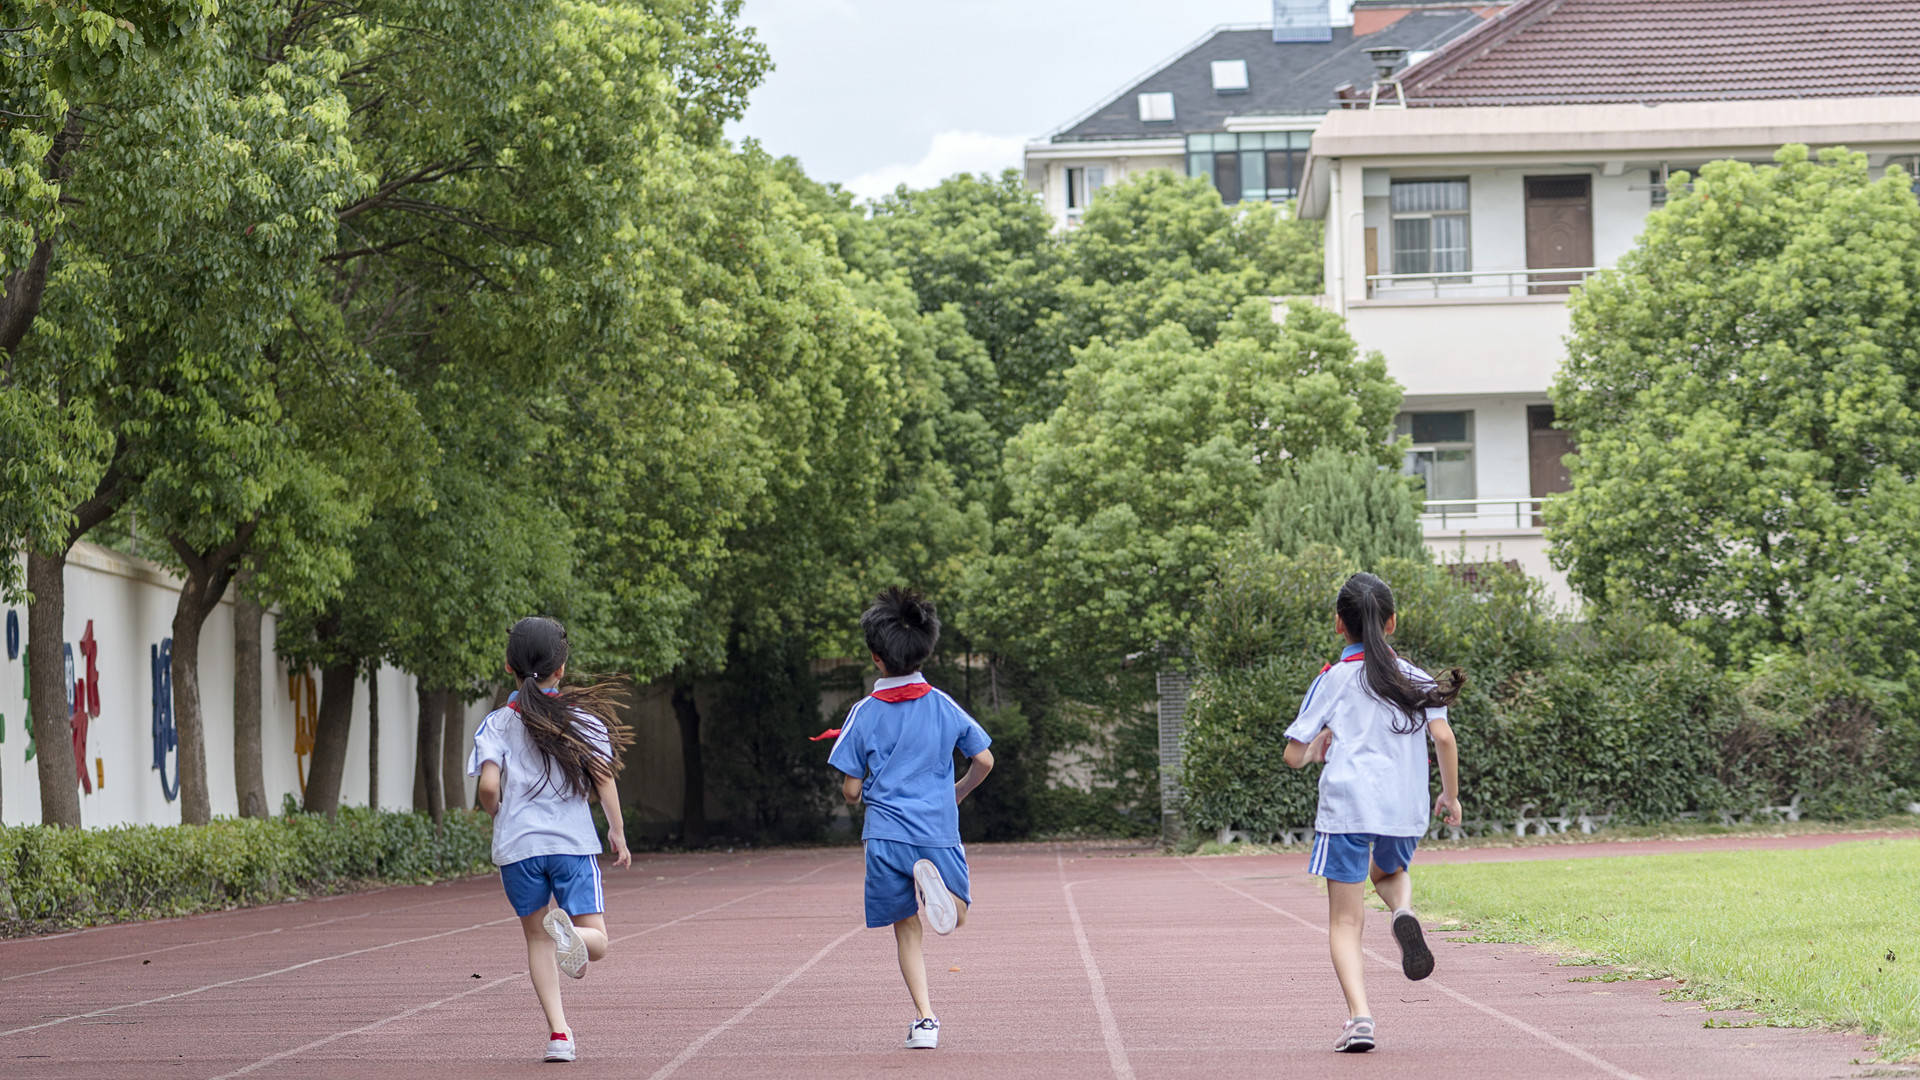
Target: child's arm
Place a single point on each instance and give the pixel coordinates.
(850, 788)
(616, 827)
(488, 789)
(1447, 806)
(980, 765)
(1299, 755)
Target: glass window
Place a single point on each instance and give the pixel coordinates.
(1156, 107)
(1255, 167)
(1082, 183)
(1430, 227)
(1442, 452)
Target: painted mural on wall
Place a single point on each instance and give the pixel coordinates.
(306, 721)
(166, 738)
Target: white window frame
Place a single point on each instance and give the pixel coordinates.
(1230, 76)
(1083, 182)
(1465, 216)
(1403, 426)
(1152, 105)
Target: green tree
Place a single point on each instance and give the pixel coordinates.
(1161, 249)
(1741, 391)
(196, 187)
(1126, 498)
(1344, 500)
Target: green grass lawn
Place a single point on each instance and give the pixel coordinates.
(1801, 937)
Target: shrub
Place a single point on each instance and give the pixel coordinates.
(52, 877)
(1623, 715)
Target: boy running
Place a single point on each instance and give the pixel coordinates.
(896, 751)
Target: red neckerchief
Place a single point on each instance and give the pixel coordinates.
(1361, 655)
(893, 695)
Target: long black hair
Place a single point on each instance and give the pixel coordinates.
(536, 648)
(1365, 604)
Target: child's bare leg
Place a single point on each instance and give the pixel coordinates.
(1395, 889)
(1346, 914)
(960, 907)
(913, 963)
(544, 970)
(592, 930)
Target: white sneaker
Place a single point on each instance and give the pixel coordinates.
(570, 949)
(925, 1032)
(560, 1049)
(938, 903)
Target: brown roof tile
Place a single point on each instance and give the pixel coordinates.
(1600, 51)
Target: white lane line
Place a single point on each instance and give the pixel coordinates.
(717, 907)
(700, 1043)
(305, 964)
(338, 1035)
(1109, 1027)
(1544, 1036)
(418, 1009)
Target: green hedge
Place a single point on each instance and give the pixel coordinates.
(75, 877)
(1624, 716)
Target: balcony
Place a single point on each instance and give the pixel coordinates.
(1450, 516)
(1478, 285)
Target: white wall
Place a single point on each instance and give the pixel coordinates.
(131, 603)
(1447, 347)
(1053, 192)
(1528, 548)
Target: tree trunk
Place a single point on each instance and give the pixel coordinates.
(25, 288)
(423, 700)
(208, 574)
(249, 777)
(693, 806)
(330, 731)
(453, 752)
(428, 794)
(373, 736)
(47, 666)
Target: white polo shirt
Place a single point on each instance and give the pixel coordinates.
(534, 818)
(1375, 781)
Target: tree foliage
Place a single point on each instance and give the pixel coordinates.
(1125, 499)
(1741, 391)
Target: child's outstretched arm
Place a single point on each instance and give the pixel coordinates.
(616, 827)
(1447, 806)
(488, 789)
(981, 764)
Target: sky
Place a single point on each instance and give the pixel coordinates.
(876, 93)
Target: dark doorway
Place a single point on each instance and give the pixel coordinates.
(1559, 229)
(1547, 449)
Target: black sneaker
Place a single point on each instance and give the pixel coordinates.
(1415, 958)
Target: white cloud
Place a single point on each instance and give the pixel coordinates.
(950, 152)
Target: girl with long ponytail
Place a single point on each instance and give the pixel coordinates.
(1364, 719)
(540, 760)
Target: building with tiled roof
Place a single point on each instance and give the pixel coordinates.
(1653, 51)
(1241, 103)
(1493, 177)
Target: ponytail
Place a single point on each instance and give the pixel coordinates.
(1365, 604)
(536, 648)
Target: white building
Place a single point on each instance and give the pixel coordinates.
(1240, 104)
(1527, 156)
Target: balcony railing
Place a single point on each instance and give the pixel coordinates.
(1485, 513)
(1469, 284)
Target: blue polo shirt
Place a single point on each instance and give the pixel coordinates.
(903, 750)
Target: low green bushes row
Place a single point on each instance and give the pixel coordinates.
(1622, 716)
(52, 877)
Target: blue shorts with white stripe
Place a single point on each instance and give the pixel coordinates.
(1347, 856)
(572, 880)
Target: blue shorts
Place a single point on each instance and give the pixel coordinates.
(573, 880)
(890, 895)
(1343, 856)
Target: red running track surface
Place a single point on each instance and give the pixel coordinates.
(1077, 962)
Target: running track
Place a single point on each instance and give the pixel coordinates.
(1078, 962)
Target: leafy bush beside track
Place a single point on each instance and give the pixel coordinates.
(52, 877)
(1620, 715)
